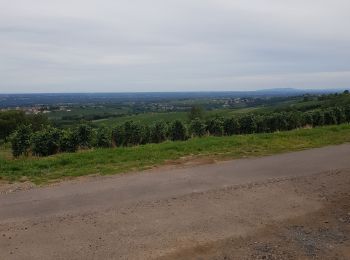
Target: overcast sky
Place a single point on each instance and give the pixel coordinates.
(173, 45)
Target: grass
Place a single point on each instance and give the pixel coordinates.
(146, 118)
(149, 118)
(120, 160)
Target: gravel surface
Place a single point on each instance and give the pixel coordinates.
(288, 206)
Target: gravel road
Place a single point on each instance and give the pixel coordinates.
(263, 208)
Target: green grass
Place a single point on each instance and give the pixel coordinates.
(149, 118)
(146, 118)
(120, 160)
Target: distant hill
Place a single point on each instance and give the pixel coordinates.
(21, 100)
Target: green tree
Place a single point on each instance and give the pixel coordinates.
(178, 131)
(330, 117)
(103, 137)
(46, 142)
(158, 132)
(10, 121)
(85, 135)
(215, 126)
(318, 118)
(118, 135)
(20, 140)
(231, 126)
(198, 127)
(295, 120)
(248, 124)
(308, 117)
(340, 115)
(69, 141)
(347, 113)
(195, 112)
(134, 133)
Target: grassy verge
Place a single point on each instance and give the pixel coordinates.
(118, 160)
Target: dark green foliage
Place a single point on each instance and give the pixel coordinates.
(347, 113)
(308, 118)
(146, 135)
(103, 137)
(134, 133)
(69, 141)
(295, 120)
(38, 121)
(158, 132)
(20, 141)
(198, 127)
(12, 119)
(215, 126)
(318, 118)
(46, 142)
(263, 124)
(118, 135)
(178, 131)
(85, 135)
(196, 112)
(278, 122)
(131, 133)
(248, 124)
(9, 121)
(330, 117)
(340, 115)
(231, 126)
(335, 109)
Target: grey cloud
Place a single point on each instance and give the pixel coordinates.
(50, 46)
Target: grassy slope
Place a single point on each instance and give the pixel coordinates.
(118, 160)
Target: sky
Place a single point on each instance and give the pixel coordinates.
(173, 45)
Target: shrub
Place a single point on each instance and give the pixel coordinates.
(118, 135)
(231, 126)
(103, 137)
(20, 140)
(69, 141)
(85, 135)
(248, 124)
(178, 131)
(198, 127)
(215, 126)
(46, 142)
(158, 132)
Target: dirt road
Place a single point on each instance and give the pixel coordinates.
(289, 206)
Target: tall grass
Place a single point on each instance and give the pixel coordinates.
(125, 159)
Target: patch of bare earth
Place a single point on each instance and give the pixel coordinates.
(322, 233)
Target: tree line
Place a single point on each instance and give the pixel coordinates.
(50, 140)
(12, 119)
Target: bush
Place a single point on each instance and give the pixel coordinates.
(118, 135)
(103, 137)
(329, 117)
(20, 141)
(231, 126)
(85, 136)
(248, 124)
(318, 118)
(69, 141)
(178, 131)
(158, 132)
(198, 127)
(215, 126)
(46, 142)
